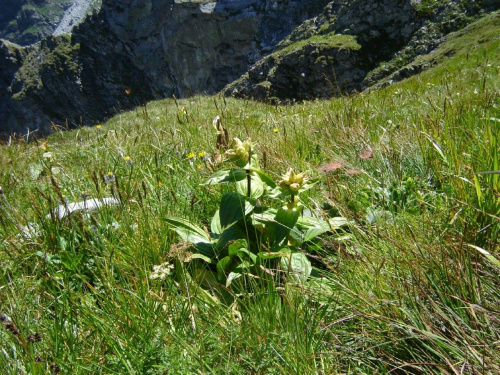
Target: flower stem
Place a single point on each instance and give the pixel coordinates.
(249, 177)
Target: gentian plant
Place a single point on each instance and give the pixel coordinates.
(248, 238)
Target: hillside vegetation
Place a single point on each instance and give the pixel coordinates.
(404, 278)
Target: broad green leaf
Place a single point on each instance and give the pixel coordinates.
(233, 233)
(298, 266)
(223, 266)
(225, 176)
(283, 222)
(215, 225)
(188, 231)
(245, 254)
(191, 233)
(205, 248)
(236, 246)
(233, 207)
(242, 252)
(256, 186)
(312, 227)
(202, 257)
(265, 178)
(263, 217)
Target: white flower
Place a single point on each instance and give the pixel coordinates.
(161, 271)
(48, 155)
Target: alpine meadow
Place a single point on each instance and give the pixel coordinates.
(213, 235)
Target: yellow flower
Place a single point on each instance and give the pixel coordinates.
(275, 130)
(201, 154)
(239, 151)
(127, 159)
(292, 182)
(99, 126)
(183, 110)
(191, 155)
(198, 167)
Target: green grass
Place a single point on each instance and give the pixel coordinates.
(403, 293)
(330, 40)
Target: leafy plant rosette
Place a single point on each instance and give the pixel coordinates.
(248, 239)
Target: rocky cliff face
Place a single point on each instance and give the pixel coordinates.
(151, 49)
(134, 51)
(352, 46)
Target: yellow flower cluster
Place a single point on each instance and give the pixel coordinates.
(239, 151)
(292, 181)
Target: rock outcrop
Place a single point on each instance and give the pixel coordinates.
(341, 50)
(25, 22)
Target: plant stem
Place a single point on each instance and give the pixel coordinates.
(249, 177)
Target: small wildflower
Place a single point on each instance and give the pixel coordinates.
(201, 154)
(161, 271)
(48, 155)
(99, 126)
(198, 167)
(275, 130)
(183, 111)
(263, 121)
(128, 160)
(191, 155)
